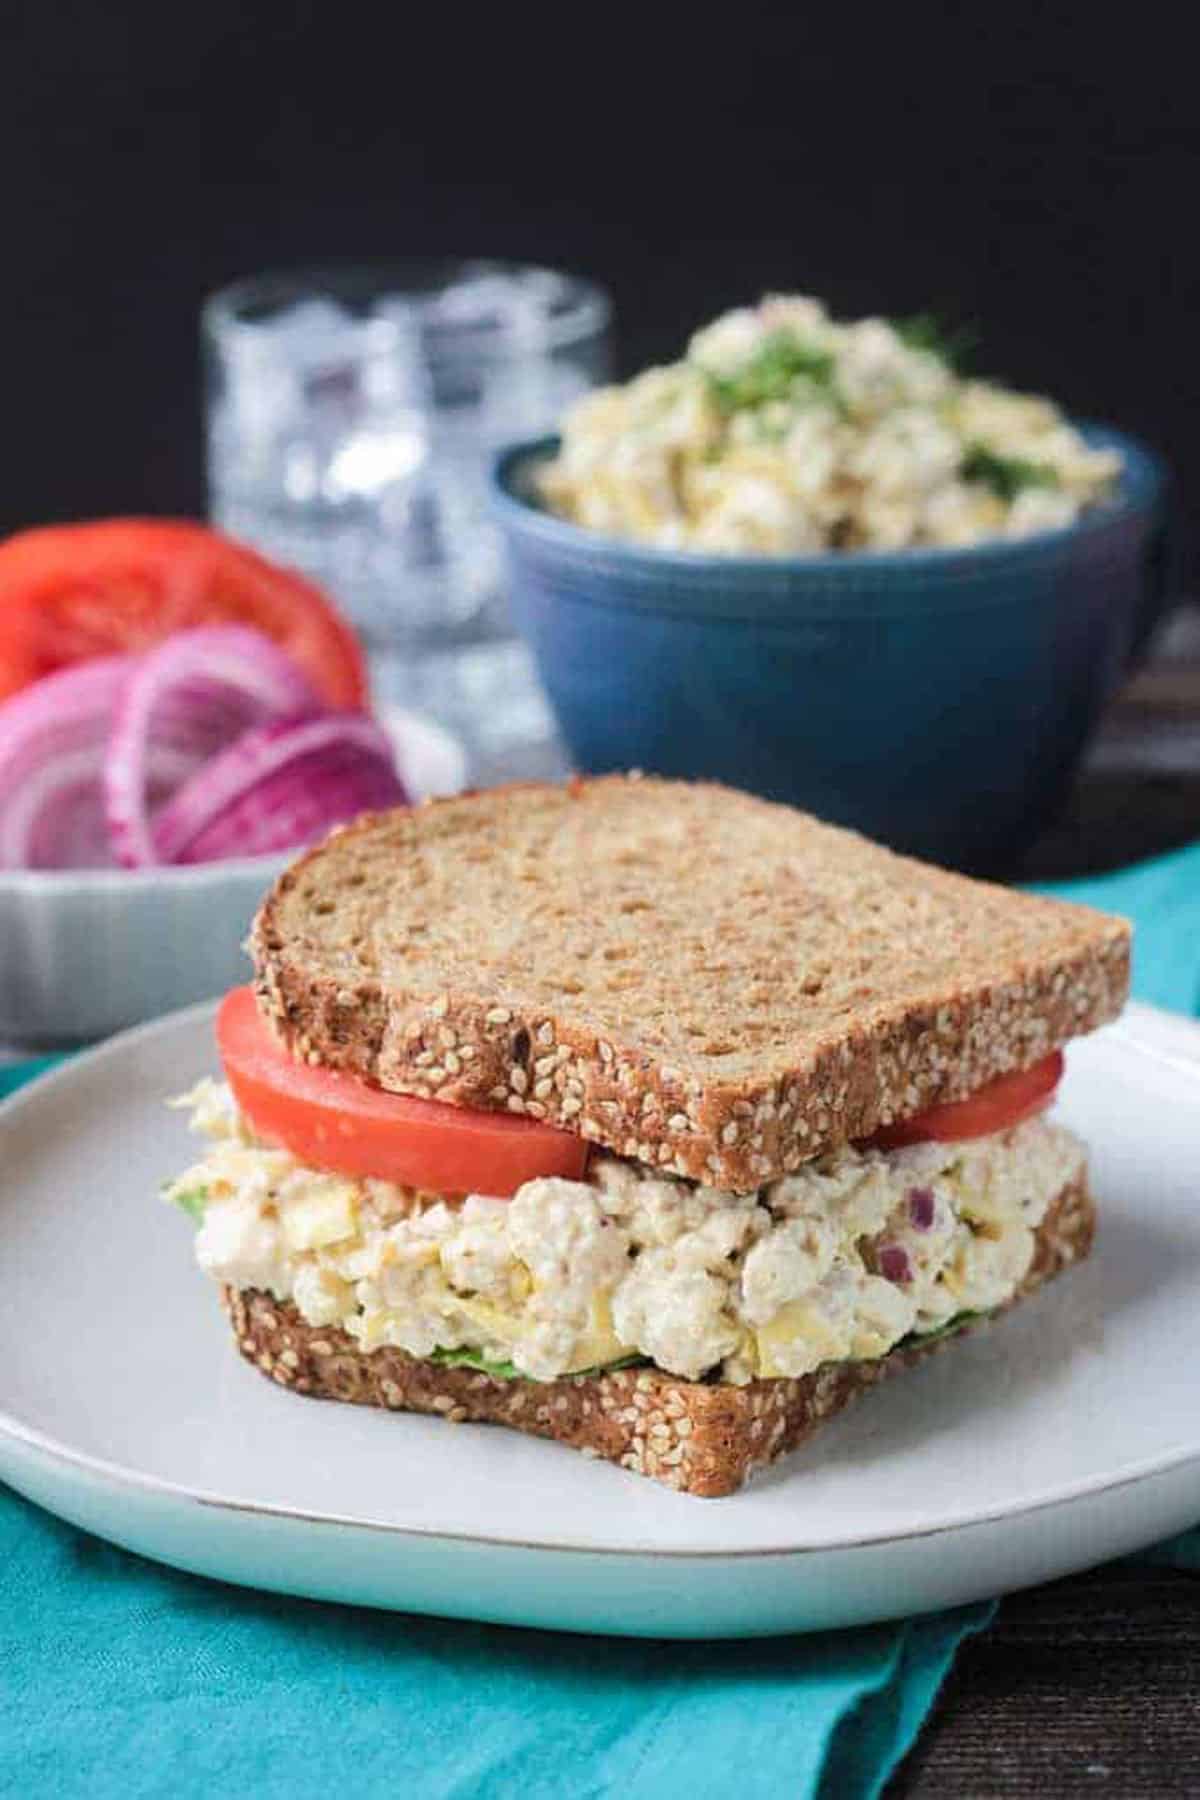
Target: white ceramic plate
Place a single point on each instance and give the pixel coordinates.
(1068, 1433)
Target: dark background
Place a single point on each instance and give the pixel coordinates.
(1031, 171)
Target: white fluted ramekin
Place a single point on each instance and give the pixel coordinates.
(85, 952)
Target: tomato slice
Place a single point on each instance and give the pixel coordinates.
(332, 1120)
(998, 1106)
(69, 592)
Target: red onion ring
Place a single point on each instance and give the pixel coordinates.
(191, 698)
(52, 738)
(279, 786)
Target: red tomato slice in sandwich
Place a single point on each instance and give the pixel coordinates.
(998, 1106)
(332, 1120)
(70, 592)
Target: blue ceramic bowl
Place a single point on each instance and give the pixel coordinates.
(936, 699)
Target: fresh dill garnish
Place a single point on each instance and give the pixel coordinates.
(954, 345)
(1007, 476)
(780, 360)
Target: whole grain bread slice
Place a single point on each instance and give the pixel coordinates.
(704, 1438)
(691, 977)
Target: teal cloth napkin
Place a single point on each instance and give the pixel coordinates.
(121, 1678)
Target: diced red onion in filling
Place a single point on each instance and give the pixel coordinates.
(921, 1208)
(893, 1263)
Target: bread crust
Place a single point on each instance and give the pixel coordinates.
(702, 1438)
(836, 1042)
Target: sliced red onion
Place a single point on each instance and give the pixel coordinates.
(52, 738)
(188, 700)
(892, 1261)
(921, 1208)
(279, 786)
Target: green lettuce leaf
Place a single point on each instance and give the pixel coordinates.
(192, 1201)
(471, 1359)
(466, 1358)
(951, 1328)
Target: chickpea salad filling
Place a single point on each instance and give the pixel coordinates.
(845, 1259)
(784, 431)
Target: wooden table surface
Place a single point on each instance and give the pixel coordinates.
(1092, 1685)
(1139, 790)
(1088, 1686)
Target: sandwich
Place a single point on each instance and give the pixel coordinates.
(642, 1115)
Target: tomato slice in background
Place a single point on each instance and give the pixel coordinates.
(331, 1120)
(998, 1106)
(70, 592)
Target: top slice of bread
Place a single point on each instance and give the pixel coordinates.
(691, 977)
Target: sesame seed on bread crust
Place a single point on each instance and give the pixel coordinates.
(703, 1438)
(704, 982)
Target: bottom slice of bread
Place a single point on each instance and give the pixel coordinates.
(702, 1437)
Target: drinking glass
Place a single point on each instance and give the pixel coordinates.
(351, 418)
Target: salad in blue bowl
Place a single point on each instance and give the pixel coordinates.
(815, 560)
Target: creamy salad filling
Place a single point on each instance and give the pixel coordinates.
(784, 431)
(844, 1259)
